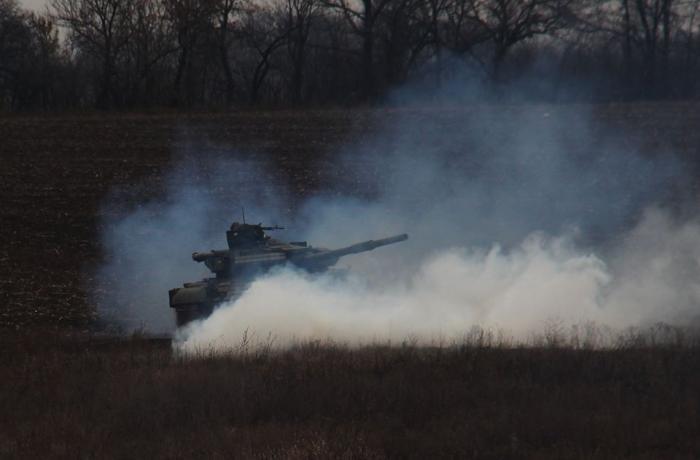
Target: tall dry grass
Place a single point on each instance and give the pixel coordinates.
(98, 398)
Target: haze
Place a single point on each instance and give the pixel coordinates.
(37, 5)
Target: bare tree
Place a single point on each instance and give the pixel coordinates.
(300, 15)
(689, 30)
(645, 30)
(225, 11)
(134, 53)
(13, 38)
(30, 59)
(15, 41)
(363, 17)
(462, 32)
(655, 24)
(192, 21)
(45, 58)
(509, 22)
(404, 34)
(263, 34)
(101, 28)
(333, 72)
(151, 43)
(434, 15)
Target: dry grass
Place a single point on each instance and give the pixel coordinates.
(128, 399)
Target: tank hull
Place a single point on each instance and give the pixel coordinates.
(197, 301)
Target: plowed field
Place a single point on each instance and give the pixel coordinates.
(57, 171)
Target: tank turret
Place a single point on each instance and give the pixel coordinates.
(251, 252)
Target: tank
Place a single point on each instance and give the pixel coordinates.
(251, 253)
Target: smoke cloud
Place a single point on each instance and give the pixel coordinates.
(519, 292)
(518, 216)
(149, 245)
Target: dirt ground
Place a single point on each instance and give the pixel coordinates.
(57, 171)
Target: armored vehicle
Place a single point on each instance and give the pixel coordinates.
(251, 252)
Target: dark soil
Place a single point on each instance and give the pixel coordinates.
(56, 173)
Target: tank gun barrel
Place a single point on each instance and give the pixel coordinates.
(203, 256)
(359, 247)
(221, 261)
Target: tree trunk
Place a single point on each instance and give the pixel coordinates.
(225, 63)
(627, 42)
(103, 101)
(181, 64)
(228, 75)
(665, 47)
(368, 52)
(298, 58)
(499, 56)
(368, 66)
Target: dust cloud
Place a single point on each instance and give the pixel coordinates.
(518, 216)
(653, 277)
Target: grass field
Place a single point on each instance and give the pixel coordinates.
(67, 393)
(128, 399)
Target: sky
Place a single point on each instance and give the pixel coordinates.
(37, 5)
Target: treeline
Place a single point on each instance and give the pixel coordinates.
(127, 54)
